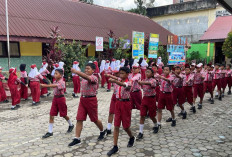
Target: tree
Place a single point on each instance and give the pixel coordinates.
(162, 52)
(227, 46)
(142, 5)
(87, 1)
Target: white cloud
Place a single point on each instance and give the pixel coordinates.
(127, 4)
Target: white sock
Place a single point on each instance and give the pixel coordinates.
(12, 106)
(33, 102)
(78, 138)
(50, 127)
(155, 124)
(69, 122)
(76, 94)
(158, 123)
(141, 126)
(109, 126)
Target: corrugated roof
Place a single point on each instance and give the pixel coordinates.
(76, 20)
(219, 29)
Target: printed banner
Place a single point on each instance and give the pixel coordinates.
(153, 45)
(138, 44)
(99, 43)
(176, 54)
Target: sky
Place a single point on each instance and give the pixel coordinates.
(127, 4)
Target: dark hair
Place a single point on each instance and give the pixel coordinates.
(125, 69)
(91, 65)
(154, 65)
(131, 62)
(177, 67)
(60, 71)
(126, 63)
(217, 64)
(229, 65)
(22, 67)
(152, 71)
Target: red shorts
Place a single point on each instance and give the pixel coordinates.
(148, 106)
(223, 82)
(208, 86)
(178, 96)
(87, 106)
(122, 114)
(112, 104)
(165, 100)
(188, 93)
(157, 91)
(136, 99)
(198, 90)
(229, 81)
(217, 83)
(58, 105)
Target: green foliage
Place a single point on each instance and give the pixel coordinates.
(162, 52)
(87, 1)
(142, 5)
(227, 46)
(119, 51)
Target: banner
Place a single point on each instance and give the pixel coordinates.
(126, 44)
(99, 43)
(176, 54)
(153, 45)
(138, 44)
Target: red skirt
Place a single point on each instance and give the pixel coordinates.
(15, 94)
(44, 90)
(35, 91)
(2, 92)
(76, 84)
(103, 79)
(23, 90)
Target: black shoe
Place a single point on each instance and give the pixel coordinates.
(25, 99)
(70, 128)
(156, 129)
(220, 98)
(216, 96)
(48, 134)
(180, 114)
(48, 94)
(169, 119)
(229, 92)
(101, 136)
(184, 115)
(37, 103)
(131, 142)
(42, 96)
(6, 101)
(75, 142)
(33, 103)
(139, 137)
(209, 99)
(173, 123)
(108, 90)
(75, 96)
(108, 132)
(199, 106)
(212, 101)
(18, 106)
(193, 109)
(113, 151)
(15, 108)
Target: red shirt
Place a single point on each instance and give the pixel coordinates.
(178, 82)
(217, 74)
(209, 76)
(2, 77)
(134, 78)
(223, 73)
(124, 92)
(166, 86)
(160, 71)
(115, 88)
(89, 88)
(59, 90)
(228, 73)
(149, 90)
(198, 78)
(156, 76)
(189, 78)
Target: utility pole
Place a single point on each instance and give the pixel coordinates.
(7, 33)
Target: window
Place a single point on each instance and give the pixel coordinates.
(14, 49)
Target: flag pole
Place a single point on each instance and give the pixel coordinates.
(7, 33)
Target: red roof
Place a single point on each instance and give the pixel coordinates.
(219, 29)
(76, 20)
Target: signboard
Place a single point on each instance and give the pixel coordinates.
(126, 44)
(99, 43)
(176, 54)
(153, 45)
(138, 44)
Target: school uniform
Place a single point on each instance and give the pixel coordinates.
(136, 93)
(44, 73)
(144, 66)
(88, 102)
(108, 71)
(24, 89)
(228, 77)
(13, 84)
(76, 78)
(2, 90)
(59, 101)
(148, 105)
(217, 79)
(35, 86)
(96, 72)
(157, 89)
(188, 87)
(113, 99)
(178, 90)
(102, 73)
(208, 82)
(165, 97)
(223, 79)
(198, 85)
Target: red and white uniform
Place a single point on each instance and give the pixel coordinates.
(198, 85)
(2, 90)
(178, 90)
(24, 89)
(228, 77)
(108, 70)
(217, 79)
(188, 87)
(144, 66)
(76, 78)
(223, 79)
(208, 81)
(44, 72)
(13, 83)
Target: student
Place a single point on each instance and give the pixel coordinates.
(61, 66)
(122, 109)
(76, 80)
(144, 66)
(208, 82)
(3, 97)
(108, 70)
(55, 66)
(193, 68)
(136, 93)
(223, 79)
(217, 81)
(228, 78)
(88, 103)
(188, 87)
(13, 83)
(44, 72)
(23, 78)
(148, 106)
(97, 72)
(102, 73)
(58, 102)
(160, 68)
(178, 91)
(165, 97)
(34, 79)
(156, 76)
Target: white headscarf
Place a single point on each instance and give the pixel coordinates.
(54, 69)
(117, 65)
(113, 65)
(122, 63)
(76, 67)
(90, 61)
(144, 63)
(33, 73)
(44, 67)
(102, 67)
(61, 65)
(159, 60)
(136, 61)
(107, 66)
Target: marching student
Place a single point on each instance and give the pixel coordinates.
(61, 66)
(188, 87)
(76, 80)
(208, 82)
(122, 109)
(165, 97)
(58, 102)
(193, 68)
(88, 103)
(217, 81)
(23, 78)
(143, 66)
(102, 73)
(223, 79)
(178, 91)
(228, 77)
(34, 83)
(55, 66)
(13, 83)
(198, 85)
(148, 106)
(3, 97)
(108, 70)
(44, 72)
(97, 72)
(136, 93)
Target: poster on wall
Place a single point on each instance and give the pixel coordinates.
(153, 45)
(138, 44)
(99, 43)
(176, 54)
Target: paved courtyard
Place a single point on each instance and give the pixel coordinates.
(207, 133)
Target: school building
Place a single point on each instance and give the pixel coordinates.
(30, 23)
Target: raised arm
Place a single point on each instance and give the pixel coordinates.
(81, 74)
(111, 76)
